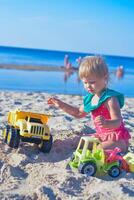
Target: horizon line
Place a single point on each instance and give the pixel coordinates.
(67, 51)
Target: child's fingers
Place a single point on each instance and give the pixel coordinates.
(53, 102)
(98, 118)
(50, 101)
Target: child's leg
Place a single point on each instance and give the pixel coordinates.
(112, 144)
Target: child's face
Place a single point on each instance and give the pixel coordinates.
(94, 84)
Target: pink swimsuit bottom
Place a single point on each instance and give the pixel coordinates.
(105, 134)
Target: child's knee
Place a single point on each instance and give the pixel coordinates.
(113, 144)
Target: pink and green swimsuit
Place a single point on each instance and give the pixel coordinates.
(104, 134)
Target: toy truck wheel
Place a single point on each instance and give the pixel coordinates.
(114, 171)
(88, 168)
(13, 138)
(46, 145)
(5, 132)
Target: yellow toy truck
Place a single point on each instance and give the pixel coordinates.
(28, 127)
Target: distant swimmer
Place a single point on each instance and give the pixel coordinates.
(120, 72)
(78, 60)
(67, 74)
(66, 60)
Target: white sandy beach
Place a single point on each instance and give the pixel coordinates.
(26, 173)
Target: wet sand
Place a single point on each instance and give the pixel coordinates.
(35, 68)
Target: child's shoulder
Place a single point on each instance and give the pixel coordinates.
(112, 101)
(113, 96)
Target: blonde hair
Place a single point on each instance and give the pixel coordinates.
(93, 65)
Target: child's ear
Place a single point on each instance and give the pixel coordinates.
(106, 77)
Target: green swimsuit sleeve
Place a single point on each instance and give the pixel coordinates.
(111, 93)
(87, 102)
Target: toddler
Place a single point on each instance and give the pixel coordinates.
(103, 103)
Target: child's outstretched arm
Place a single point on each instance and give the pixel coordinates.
(71, 110)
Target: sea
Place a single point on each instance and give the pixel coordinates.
(58, 82)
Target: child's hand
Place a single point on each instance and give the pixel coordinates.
(53, 101)
(100, 120)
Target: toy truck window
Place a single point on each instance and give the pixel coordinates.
(35, 120)
(82, 144)
(90, 146)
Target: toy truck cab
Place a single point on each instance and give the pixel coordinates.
(90, 160)
(28, 127)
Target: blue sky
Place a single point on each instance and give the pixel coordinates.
(94, 26)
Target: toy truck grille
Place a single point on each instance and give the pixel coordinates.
(37, 130)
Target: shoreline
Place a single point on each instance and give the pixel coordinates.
(36, 68)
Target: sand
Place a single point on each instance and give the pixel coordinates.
(26, 173)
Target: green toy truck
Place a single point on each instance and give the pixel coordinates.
(28, 127)
(89, 160)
